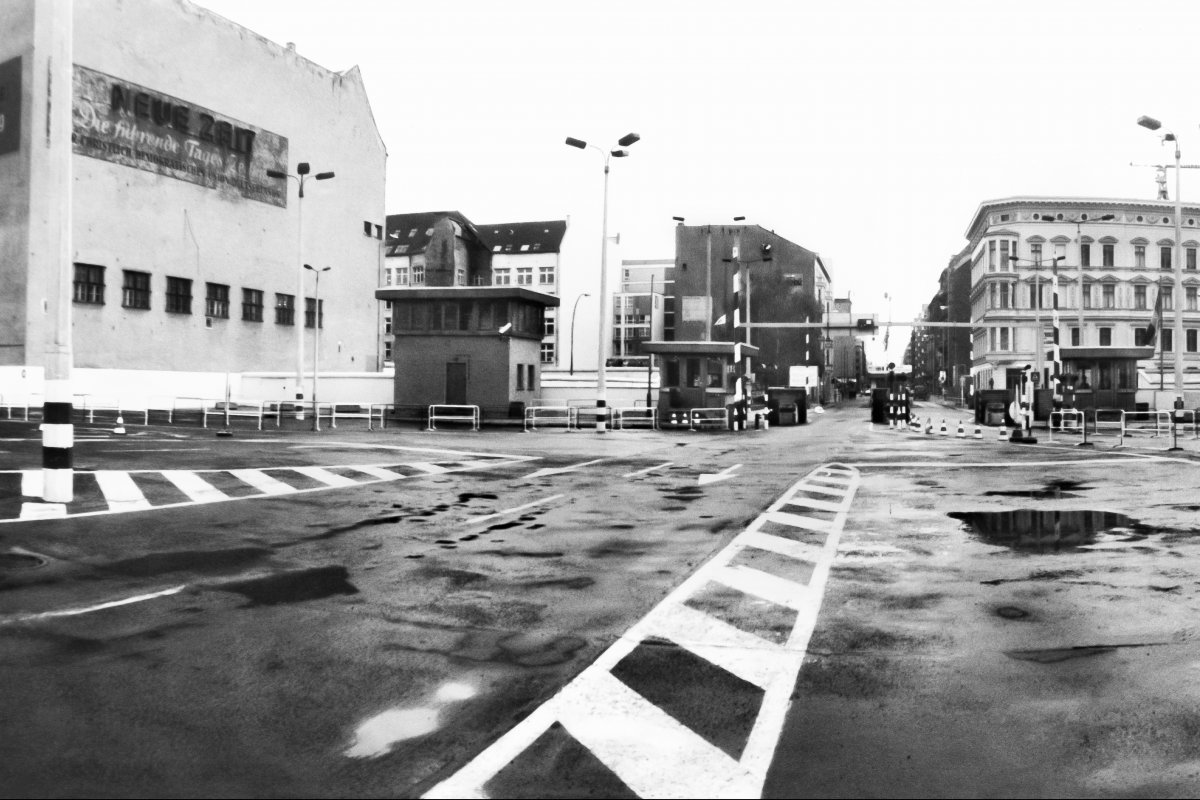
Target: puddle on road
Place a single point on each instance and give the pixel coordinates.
(294, 586)
(1049, 531)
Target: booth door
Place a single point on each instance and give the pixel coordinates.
(456, 384)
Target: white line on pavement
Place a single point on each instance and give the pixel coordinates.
(647, 469)
(74, 612)
(530, 504)
(121, 493)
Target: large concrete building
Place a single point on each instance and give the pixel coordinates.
(1111, 259)
(187, 252)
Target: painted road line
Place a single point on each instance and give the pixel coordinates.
(196, 488)
(832, 492)
(42, 510)
(1120, 460)
(432, 469)
(262, 481)
(74, 612)
(120, 492)
(646, 747)
(379, 472)
(816, 505)
(647, 470)
(515, 509)
(542, 473)
(801, 551)
(325, 476)
(738, 652)
(666, 759)
(799, 521)
(757, 583)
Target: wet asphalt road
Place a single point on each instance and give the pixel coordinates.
(370, 639)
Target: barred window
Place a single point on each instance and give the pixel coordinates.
(89, 284)
(216, 300)
(311, 306)
(179, 295)
(252, 305)
(285, 309)
(135, 291)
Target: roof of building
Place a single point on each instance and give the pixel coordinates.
(410, 233)
(465, 293)
(976, 228)
(524, 237)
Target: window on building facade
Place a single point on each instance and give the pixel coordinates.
(1074, 337)
(460, 276)
(1139, 296)
(179, 295)
(520, 377)
(314, 311)
(1106, 337)
(1190, 340)
(252, 305)
(1035, 253)
(1164, 257)
(400, 276)
(524, 276)
(1004, 343)
(89, 284)
(135, 290)
(387, 349)
(1085, 255)
(1088, 298)
(1167, 337)
(1191, 258)
(285, 309)
(417, 276)
(1109, 292)
(501, 277)
(1168, 298)
(1108, 254)
(545, 276)
(1139, 256)
(1190, 298)
(216, 300)
(1141, 337)
(1004, 296)
(549, 323)
(530, 376)
(1004, 263)
(548, 354)
(992, 256)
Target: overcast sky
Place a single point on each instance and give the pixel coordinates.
(866, 131)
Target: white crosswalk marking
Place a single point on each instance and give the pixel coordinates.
(649, 750)
(121, 493)
(262, 481)
(379, 472)
(196, 488)
(325, 476)
(818, 505)
(432, 469)
(31, 483)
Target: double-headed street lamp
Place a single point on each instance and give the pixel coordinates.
(1176, 263)
(302, 174)
(601, 350)
(316, 339)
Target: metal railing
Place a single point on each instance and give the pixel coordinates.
(635, 417)
(710, 418)
(254, 409)
(565, 416)
(453, 413)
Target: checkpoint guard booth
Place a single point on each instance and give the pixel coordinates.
(1102, 377)
(698, 375)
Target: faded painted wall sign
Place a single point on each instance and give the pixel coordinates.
(10, 106)
(124, 123)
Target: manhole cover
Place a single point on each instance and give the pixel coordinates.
(16, 561)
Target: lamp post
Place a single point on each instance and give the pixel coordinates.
(601, 378)
(302, 173)
(1176, 263)
(316, 338)
(945, 349)
(573, 310)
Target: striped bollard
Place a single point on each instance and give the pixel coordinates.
(58, 440)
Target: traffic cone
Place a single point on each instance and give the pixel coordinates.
(944, 431)
(929, 426)
(961, 432)
(120, 429)
(978, 431)
(1003, 432)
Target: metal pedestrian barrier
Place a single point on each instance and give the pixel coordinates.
(635, 417)
(350, 410)
(1067, 420)
(1144, 423)
(710, 418)
(453, 413)
(232, 408)
(565, 416)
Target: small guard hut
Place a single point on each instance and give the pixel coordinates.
(698, 374)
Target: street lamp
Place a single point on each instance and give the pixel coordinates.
(302, 174)
(1039, 347)
(1176, 263)
(316, 338)
(574, 308)
(601, 378)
